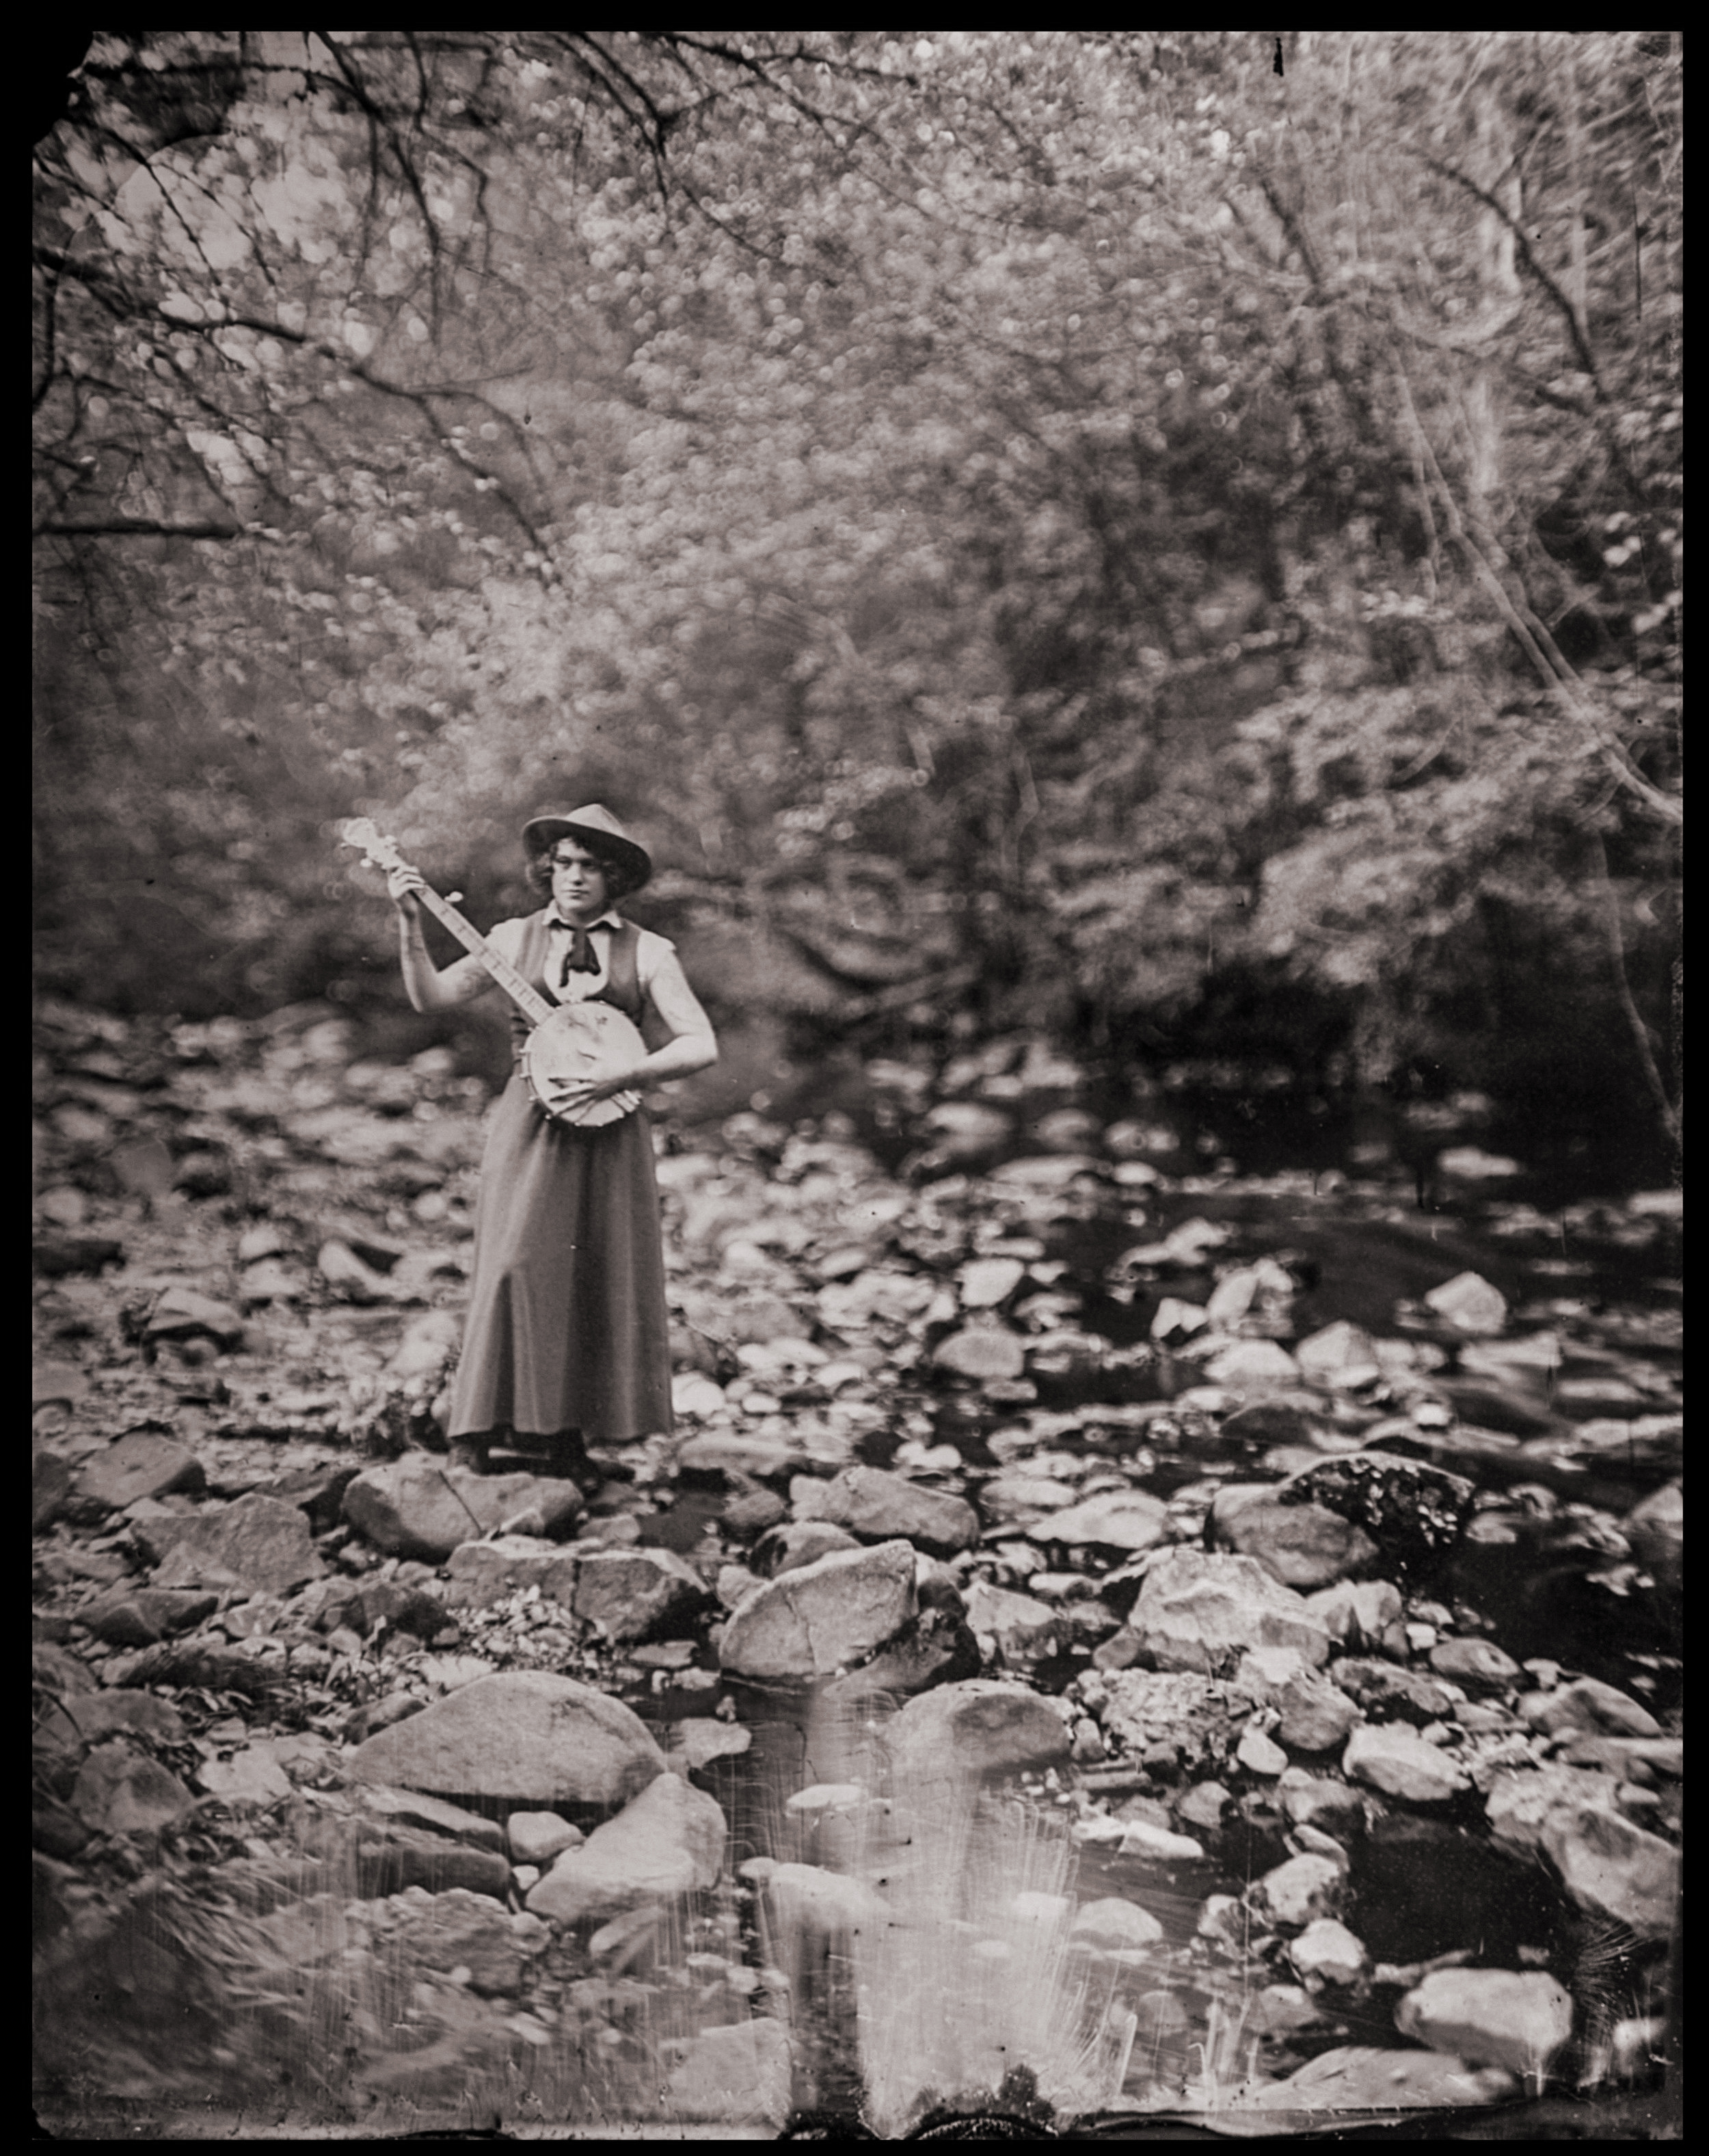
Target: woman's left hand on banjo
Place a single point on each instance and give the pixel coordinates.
(581, 1093)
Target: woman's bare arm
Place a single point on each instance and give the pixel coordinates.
(427, 989)
(693, 1046)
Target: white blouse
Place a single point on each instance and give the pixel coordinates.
(657, 966)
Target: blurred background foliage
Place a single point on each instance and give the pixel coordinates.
(1170, 538)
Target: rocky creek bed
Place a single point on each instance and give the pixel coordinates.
(1213, 1639)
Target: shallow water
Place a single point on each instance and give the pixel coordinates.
(1543, 1584)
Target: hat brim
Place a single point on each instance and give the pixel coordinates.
(544, 831)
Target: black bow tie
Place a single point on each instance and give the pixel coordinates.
(579, 958)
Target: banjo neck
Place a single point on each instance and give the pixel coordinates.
(528, 999)
(383, 854)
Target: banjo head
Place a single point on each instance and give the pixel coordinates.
(577, 1043)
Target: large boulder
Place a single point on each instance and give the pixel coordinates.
(871, 1503)
(483, 1573)
(1327, 1951)
(1375, 2077)
(1613, 1868)
(417, 1506)
(806, 1902)
(1303, 1889)
(979, 1725)
(822, 1616)
(1199, 1610)
(1315, 1713)
(412, 1808)
(1025, 1629)
(1302, 1544)
(1017, 1494)
(97, 1714)
(937, 1648)
(252, 1776)
(1392, 1757)
(1357, 1613)
(1589, 1704)
(1255, 1366)
(630, 1594)
(1412, 1510)
(258, 1546)
(1490, 2017)
(391, 1858)
(537, 1837)
(143, 1463)
(1342, 1355)
(131, 1616)
(1388, 1691)
(180, 1313)
(1115, 1924)
(1520, 1799)
(120, 1791)
(527, 1735)
(1478, 1664)
(1469, 1304)
(666, 1842)
(50, 1487)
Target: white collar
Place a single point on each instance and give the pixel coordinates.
(609, 919)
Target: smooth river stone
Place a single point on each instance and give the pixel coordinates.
(821, 1617)
(528, 1735)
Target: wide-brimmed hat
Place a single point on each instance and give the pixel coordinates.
(597, 829)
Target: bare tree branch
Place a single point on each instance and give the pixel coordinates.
(138, 527)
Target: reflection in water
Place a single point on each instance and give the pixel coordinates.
(926, 1940)
(891, 1946)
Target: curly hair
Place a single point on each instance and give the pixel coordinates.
(621, 878)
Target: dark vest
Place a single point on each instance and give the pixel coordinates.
(542, 953)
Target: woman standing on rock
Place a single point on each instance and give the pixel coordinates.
(567, 1335)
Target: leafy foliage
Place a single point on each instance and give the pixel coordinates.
(1064, 513)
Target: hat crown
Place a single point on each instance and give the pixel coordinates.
(595, 819)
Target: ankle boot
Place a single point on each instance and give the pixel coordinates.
(567, 1459)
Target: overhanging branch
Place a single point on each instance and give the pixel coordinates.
(137, 527)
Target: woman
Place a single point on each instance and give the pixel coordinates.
(567, 1335)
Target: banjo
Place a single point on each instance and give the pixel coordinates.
(571, 1044)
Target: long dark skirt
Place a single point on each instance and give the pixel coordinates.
(567, 1326)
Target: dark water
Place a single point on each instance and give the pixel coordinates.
(1551, 1586)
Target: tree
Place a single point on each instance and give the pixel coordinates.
(1091, 511)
